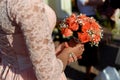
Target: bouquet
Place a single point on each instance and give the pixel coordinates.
(84, 29)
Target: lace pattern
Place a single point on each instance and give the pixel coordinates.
(30, 16)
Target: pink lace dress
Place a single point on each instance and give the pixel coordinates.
(26, 46)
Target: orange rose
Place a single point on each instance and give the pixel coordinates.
(83, 37)
(74, 26)
(66, 32)
(85, 27)
(71, 21)
(95, 26)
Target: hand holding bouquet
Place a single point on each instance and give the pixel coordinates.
(82, 28)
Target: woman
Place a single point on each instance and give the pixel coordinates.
(27, 49)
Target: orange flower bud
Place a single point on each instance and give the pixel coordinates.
(66, 32)
(83, 37)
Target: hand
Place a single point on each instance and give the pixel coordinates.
(76, 53)
(74, 50)
(62, 53)
(77, 47)
(59, 48)
(77, 50)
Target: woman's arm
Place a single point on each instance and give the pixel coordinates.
(30, 15)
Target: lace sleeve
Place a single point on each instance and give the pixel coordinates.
(30, 15)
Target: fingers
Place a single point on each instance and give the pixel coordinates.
(66, 45)
(81, 48)
(72, 58)
(80, 57)
(59, 48)
(78, 50)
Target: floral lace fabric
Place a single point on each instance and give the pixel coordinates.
(28, 19)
